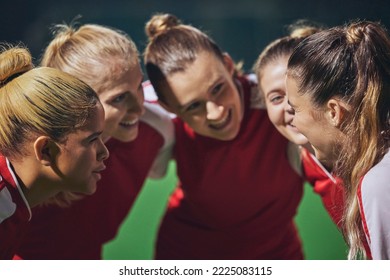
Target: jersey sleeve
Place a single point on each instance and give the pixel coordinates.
(374, 201)
(329, 188)
(160, 120)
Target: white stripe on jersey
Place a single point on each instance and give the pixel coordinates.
(149, 92)
(160, 120)
(19, 188)
(375, 197)
(7, 206)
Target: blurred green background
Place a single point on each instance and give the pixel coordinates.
(321, 238)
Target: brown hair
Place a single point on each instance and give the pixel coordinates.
(172, 47)
(351, 62)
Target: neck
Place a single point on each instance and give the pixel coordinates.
(35, 185)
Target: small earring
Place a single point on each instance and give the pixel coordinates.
(385, 134)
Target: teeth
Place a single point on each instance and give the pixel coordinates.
(221, 122)
(130, 122)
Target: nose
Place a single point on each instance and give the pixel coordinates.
(137, 108)
(136, 105)
(214, 110)
(288, 109)
(103, 152)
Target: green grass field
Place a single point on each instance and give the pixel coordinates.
(321, 239)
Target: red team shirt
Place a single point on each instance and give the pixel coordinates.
(236, 199)
(79, 231)
(15, 212)
(329, 187)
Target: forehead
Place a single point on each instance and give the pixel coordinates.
(95, 119)
(116, 71)
(127, 80)
(291, 87)
(197, 78)
(274, 73)
(93, 124)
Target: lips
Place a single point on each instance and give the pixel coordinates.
(222, 123)
(100, 169)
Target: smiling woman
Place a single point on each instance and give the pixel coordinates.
(271, 68)
(138, 135)
(51, 142)
(338, 85)
(236, 186)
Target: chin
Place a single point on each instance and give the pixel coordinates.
(127, 138)
(228, 137)
(300, 140)
(90, 190)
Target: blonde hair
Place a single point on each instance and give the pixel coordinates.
(38, 101)
(88, 52)
(283, 47)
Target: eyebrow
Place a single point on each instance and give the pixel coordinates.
(274, 90)
(94, 135)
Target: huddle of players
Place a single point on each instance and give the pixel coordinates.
(240, 142)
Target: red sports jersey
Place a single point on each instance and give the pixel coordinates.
(15, 212)
(237, 199)
(79, 231)
(329, 187)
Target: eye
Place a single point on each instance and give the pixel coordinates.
(193, 106)
(119, 98)
(277, 99)
(93, 139)
(217, 89)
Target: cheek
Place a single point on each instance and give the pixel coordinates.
(195, 122)
(275, 114)
(300, 123)
(112, 115)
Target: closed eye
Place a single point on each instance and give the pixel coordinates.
(217, 89)
(94, 136)
(119, 98)
(193, 106)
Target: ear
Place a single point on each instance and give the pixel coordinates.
(336, 110)
(45, 150)
(229, 63)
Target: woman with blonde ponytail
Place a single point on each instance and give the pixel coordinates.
(270, 69)
(138, 134)
(50, 140)
(338, 85)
